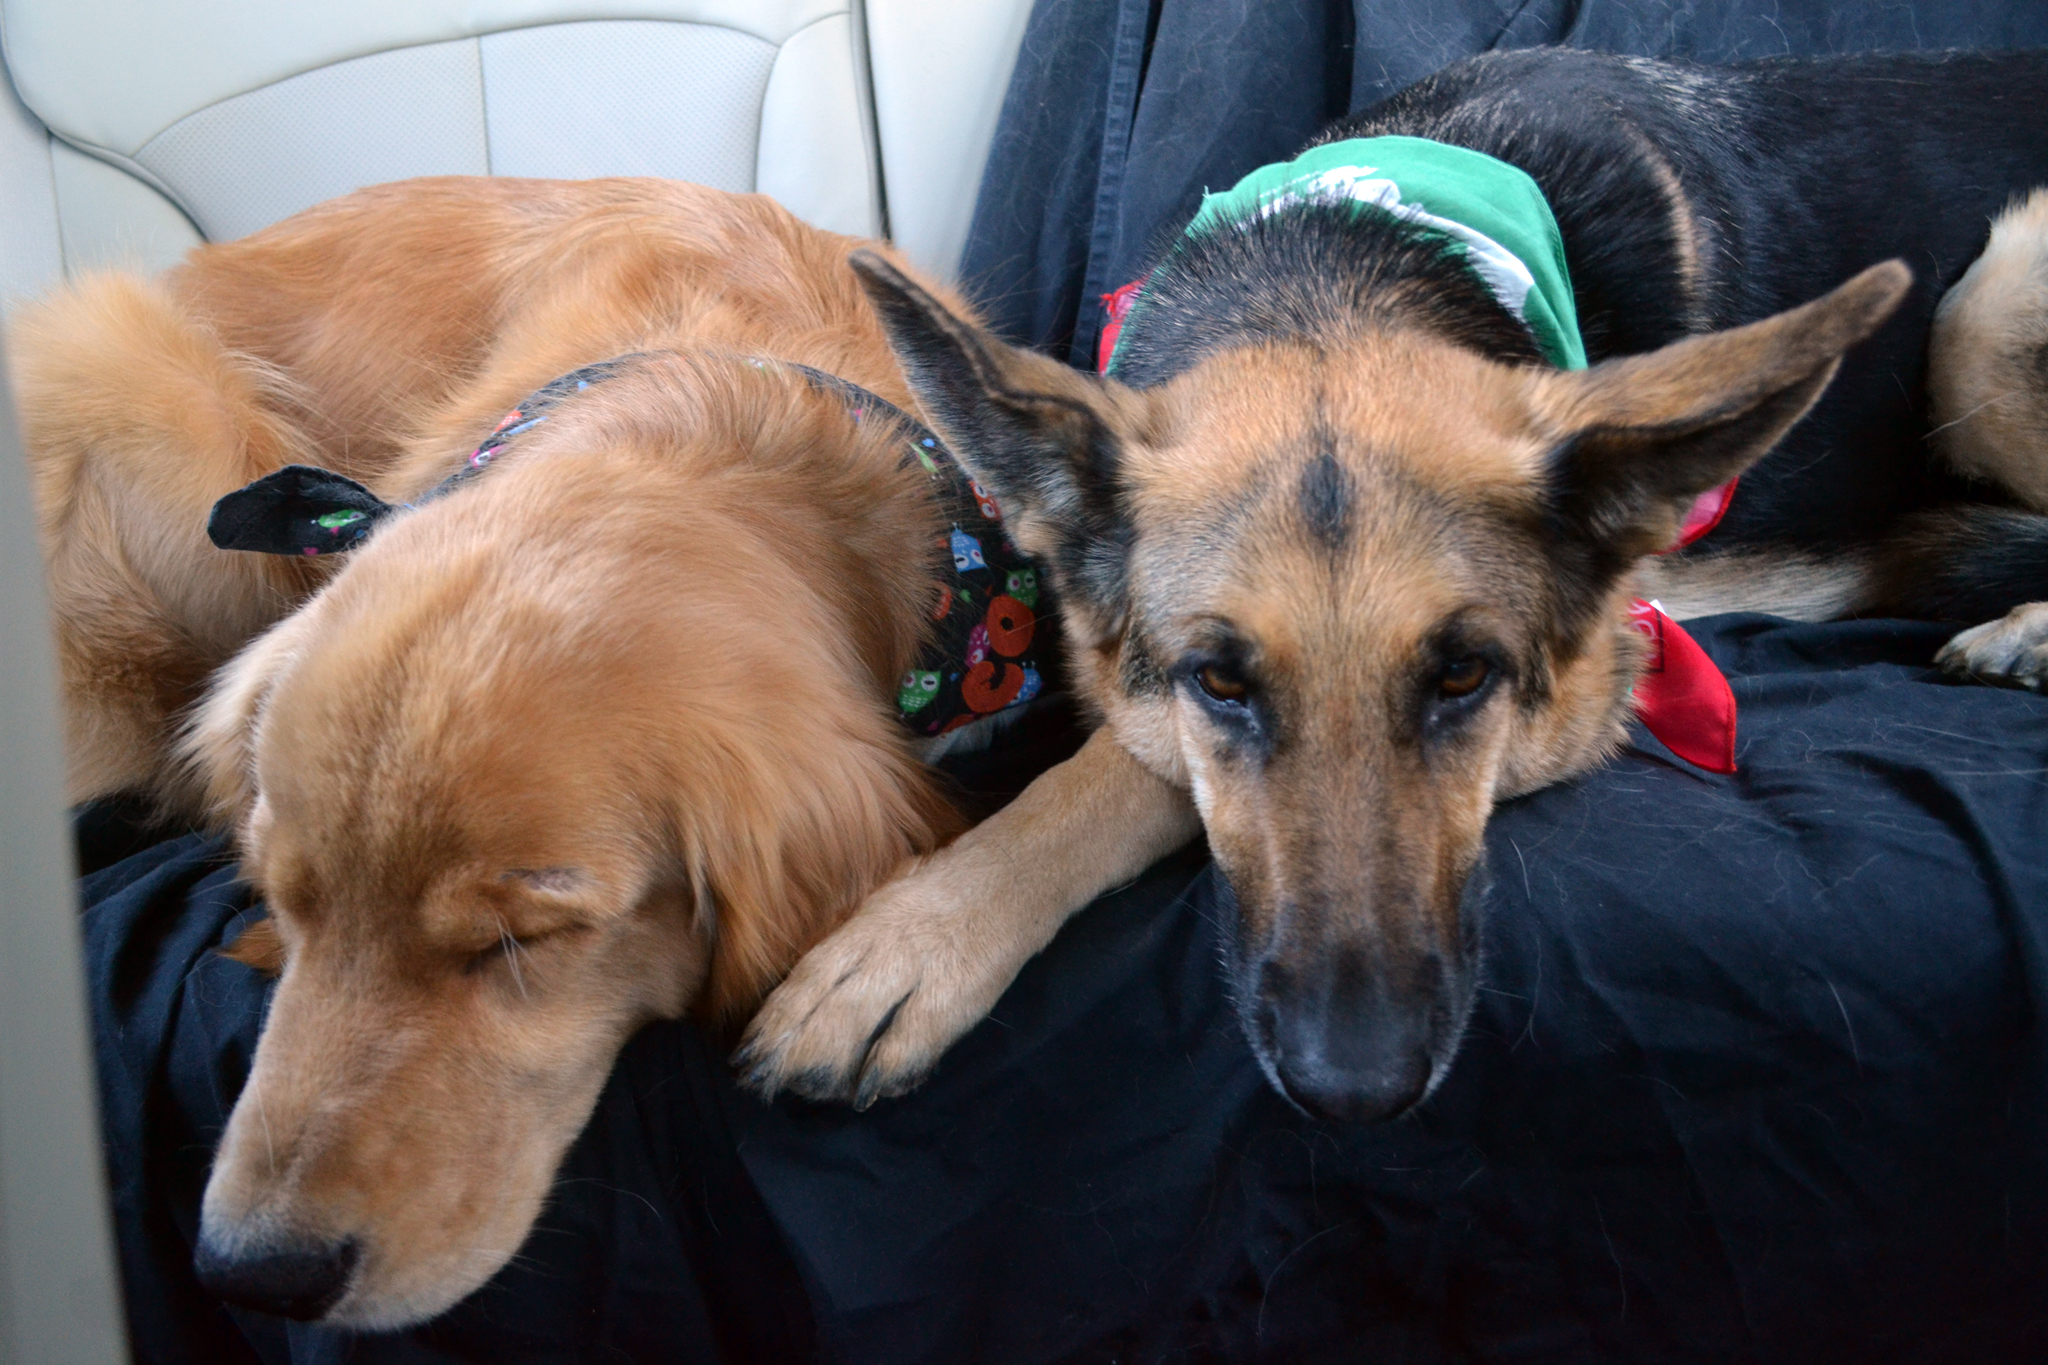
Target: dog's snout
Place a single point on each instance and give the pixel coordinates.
(1344, 1044)
(291, 1281)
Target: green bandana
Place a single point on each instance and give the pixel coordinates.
(1492, 210)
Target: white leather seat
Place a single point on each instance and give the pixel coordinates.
(144, 126)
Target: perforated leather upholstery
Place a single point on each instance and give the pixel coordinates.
(145, 126)
(169, 120)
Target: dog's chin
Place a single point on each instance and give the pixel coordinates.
(371, 1311)
(1449, 1011)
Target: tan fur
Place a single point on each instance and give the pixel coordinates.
(1987, 390)
(1799, 587)
(604, 736)
(114, 374)
(1346, 834)
(1686, 228)
(1987, 364)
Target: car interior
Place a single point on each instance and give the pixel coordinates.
(1758, 1070)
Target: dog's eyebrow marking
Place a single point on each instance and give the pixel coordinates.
(1325, 497)
(1138, 669)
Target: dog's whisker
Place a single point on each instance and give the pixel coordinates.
(1958, 421)
(513, 952)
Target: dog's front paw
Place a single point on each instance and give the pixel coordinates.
(2011, 651)
(868, 1012)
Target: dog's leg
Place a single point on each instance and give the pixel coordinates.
(1972, 563)
(2013, 650)
(870, 1010)
(136, 420)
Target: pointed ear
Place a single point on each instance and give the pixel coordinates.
(1648, 434)
(1044, 438)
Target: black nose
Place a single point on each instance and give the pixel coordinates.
(300, 1282)
(1345, 1045)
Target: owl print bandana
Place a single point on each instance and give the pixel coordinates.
(985, 641)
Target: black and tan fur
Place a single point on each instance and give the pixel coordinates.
(1345, 562)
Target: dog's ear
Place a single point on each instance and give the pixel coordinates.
(782, 848)
(1044, 438)
(1646, 435)
(217, 749)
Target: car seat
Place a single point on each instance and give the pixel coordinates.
(135, 130)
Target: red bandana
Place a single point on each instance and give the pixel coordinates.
(1681, 696)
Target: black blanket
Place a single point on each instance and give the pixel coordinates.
(1758, 1074)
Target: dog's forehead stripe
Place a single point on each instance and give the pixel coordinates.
(1326, 501)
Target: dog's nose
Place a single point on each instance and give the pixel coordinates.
(300, 1282)
(1345, 1046)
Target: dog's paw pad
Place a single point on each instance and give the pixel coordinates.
(2011, 651)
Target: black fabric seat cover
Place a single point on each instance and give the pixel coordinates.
(1757, 1075)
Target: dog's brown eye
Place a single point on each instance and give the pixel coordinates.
(1463, 677)
(1221, 683)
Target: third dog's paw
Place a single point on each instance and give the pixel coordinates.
(2011, 651)
(869, 1011)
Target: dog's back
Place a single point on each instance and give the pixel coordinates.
(1696, 198)
(405, 311)
(381, 335)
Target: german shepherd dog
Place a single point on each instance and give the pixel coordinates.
(605, 735)
(1342, 557)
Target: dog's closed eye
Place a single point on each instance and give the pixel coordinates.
(510, 949)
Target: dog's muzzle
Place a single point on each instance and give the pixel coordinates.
(1351, 1028)
(1342, 1042)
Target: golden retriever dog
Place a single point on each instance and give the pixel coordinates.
(607, 735)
